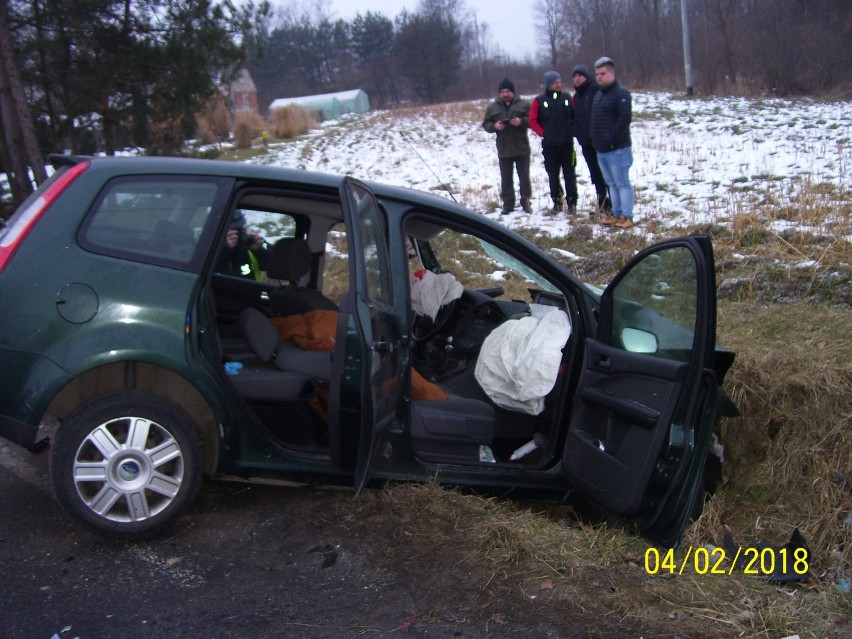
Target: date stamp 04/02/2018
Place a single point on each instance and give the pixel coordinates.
(762, 562)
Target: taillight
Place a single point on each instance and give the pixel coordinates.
(24, 221)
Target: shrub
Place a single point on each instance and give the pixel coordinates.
(165, 137)
(213, 120)
(291, 121)
(246, 126)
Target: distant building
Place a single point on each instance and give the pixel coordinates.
(243, 93)
(328, 106)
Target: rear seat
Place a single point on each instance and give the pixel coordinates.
(276, 371)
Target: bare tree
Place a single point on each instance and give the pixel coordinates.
(595, 27)
(20, 147)
(548, 24)
(449, 10)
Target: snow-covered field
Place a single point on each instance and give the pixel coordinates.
(696, 161)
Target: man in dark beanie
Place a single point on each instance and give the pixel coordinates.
(585, 87)
(552, 118)
(508, 117)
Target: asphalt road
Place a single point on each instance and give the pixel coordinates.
(239, 565)
(247, 561)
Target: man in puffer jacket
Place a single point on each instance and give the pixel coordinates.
(612, 111)
(585, 88)
(552, 118)
(508, 117)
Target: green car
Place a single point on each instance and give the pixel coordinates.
(164, 319)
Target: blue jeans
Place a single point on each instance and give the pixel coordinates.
(615, 166)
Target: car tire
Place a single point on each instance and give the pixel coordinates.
(126, 465)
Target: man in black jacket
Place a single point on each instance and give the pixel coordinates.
(610, 132)
(585, 88)
(552, 118)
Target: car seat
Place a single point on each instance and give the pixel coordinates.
(280, 370)
(290, 261)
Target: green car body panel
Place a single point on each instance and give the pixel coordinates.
(81, 320)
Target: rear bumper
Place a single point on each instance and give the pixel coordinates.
(20, 433)
(27, 384)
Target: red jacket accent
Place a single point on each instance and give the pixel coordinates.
(535, 125)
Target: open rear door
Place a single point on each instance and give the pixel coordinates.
(645, 407)
(377, 360)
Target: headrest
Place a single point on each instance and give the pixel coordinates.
(289, 259)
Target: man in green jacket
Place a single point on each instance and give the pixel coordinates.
(508, 117)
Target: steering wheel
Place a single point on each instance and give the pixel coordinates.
(423, 328)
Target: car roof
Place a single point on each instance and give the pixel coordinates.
(313, 180)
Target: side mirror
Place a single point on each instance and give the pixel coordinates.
(636, 341)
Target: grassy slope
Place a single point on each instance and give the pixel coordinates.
(784, 308)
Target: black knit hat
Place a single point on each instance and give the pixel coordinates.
(582, 69)
(507, 84)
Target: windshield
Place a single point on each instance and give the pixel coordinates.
(509, 262)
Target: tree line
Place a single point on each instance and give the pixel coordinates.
(753, 47)
(417, 56)
(91, 76)
(782, 47)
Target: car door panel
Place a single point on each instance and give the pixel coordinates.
(622, 417)
(376, 354)
(642, 414)
(629, 385)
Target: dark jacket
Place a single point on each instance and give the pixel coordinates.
(611, 115)
(512, 141)
(552, 117)
(584, 95)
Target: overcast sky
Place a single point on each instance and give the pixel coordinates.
(510, 21)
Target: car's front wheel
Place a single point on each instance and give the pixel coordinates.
(126, 465)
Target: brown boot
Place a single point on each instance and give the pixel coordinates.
(624, 223)
(608, 220)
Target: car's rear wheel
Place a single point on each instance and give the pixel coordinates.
(126, 465)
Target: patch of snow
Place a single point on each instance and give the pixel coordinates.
(696, 161)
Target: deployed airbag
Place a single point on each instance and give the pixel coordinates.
(520, 359)
(430, 291)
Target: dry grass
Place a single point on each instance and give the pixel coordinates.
(516, 554)
(789, 457)
(290, 122)
(247, 126)
(214, 121)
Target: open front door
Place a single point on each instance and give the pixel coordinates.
(377, 324)
(645, 407)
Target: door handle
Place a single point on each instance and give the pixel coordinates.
(384, 347)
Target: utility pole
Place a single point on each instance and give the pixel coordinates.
(687, 58)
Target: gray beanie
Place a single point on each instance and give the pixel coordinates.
(549, 78)
(582, 69)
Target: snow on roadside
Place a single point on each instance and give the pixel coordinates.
(691, 156)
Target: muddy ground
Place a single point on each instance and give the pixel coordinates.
(259, 561)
